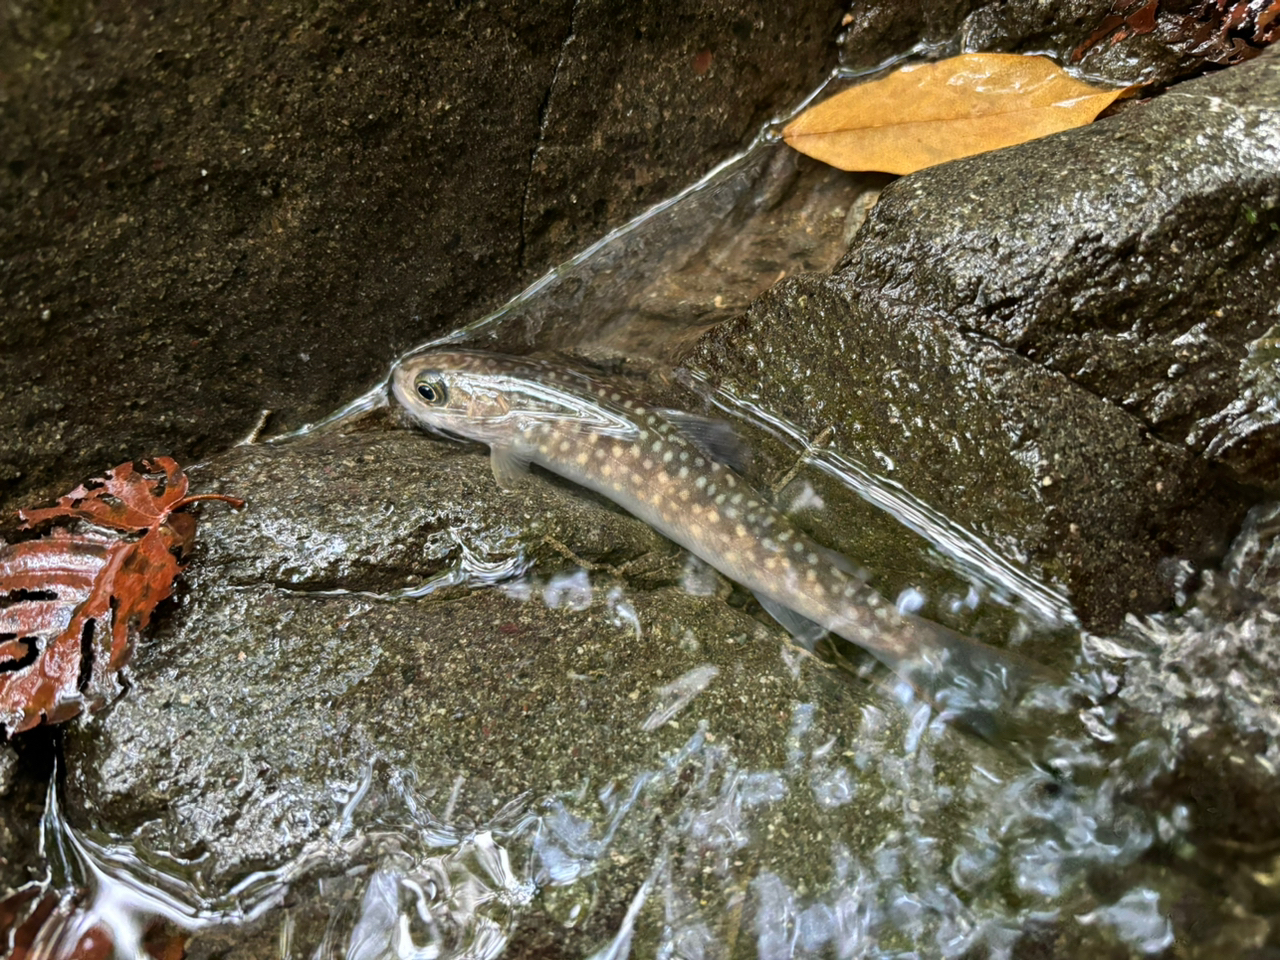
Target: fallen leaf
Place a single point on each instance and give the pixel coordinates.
(126, 499)
(72, 602)
(930, 113)
(54, 593)
(1216, 31)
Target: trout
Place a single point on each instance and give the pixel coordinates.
(675, 472)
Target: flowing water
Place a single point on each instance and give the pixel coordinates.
(872, 829)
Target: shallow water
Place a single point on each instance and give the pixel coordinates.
(874, 829)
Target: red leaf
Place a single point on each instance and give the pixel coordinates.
(1218, 31)
(71, 604)
(51, 602)
(127, 499)
(149, 568)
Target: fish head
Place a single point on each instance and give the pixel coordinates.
(477, 396)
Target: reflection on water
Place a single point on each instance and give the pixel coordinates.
(878, 833)
(925, 841)
(923, 845)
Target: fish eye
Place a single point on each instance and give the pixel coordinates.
(432, 391)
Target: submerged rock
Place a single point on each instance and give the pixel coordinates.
(301, 665)
(1064, 346)
(1207, 680)
(572, 759)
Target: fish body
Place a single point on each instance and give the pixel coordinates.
(659, 466)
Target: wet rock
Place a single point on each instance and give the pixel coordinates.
(392, 511)
(1208, 683)
(205, 214)
(25, 767)
(1132, 256)
(645, 93)
(1056, 477)
(1061, 346)
(567, 760)
(880, 28)
(283, 682)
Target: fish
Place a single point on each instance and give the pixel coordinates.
(680, 473)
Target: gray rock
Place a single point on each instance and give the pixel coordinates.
(566, 756)
(646, 94)
(1058, 479)
(24, 772)
(208, 214)
(1133, 256)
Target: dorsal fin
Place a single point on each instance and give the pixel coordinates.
(716, 438)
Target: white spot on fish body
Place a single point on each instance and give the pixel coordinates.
(700, 482)
(666, 457)
(647, 464)
(684, 473)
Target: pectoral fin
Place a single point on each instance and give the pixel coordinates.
(510, 466)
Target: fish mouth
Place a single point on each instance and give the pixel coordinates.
(441, 433)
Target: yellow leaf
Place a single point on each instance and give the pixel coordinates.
(934, 112)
